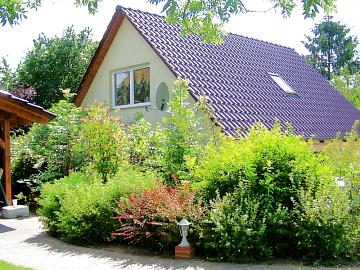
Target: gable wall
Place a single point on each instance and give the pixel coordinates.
(129, 49)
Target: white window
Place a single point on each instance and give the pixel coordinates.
(282, 84)
(131, 87)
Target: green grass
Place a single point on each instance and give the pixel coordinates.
(8, 266)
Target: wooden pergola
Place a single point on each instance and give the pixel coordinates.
(16, 112)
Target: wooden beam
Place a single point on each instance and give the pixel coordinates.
(20, 122)
(22, 112)
(7, 168)
(2, 144)
(7, 116)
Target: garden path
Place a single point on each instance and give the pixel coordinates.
(24, 242)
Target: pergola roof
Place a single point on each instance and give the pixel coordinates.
(21, 112)
(14, 112)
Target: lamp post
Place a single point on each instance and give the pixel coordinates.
(184, 250)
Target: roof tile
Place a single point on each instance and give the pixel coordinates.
(234, 77)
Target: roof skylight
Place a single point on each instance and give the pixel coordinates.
(282, 84)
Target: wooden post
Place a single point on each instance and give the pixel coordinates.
(7, 169)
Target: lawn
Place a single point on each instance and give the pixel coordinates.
(8, 266)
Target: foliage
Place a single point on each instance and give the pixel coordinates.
(271, 195)
(207, 17)
(331, 217)
(8, 266)
(177, 145)
(45, 152)
(101, 138)
(203, 17)
(12, 11)
(144, 144)
(183, 130)
(149, 219)
(267, 160)
(343, 158)
(236, 233)
(79, 207)
(322, 225)
(187, 131)
(73, 140)
(265, 195)
(56, 63)
(349, 86)
(7, 75)
(331, 48)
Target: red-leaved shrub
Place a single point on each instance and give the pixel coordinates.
(149, 219)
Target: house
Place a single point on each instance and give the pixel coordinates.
(245, 80)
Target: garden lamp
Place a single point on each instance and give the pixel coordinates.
(184, 229)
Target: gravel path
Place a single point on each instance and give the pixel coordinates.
(24, 242)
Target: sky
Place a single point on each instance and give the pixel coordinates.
(55, 15)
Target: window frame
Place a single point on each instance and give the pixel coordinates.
(132, 87)
(288, 90)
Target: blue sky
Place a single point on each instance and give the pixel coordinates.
(56, 15)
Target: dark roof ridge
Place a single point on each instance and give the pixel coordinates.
(263, 41)
(121, 9)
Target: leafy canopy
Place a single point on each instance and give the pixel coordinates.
(56, 63)
(348, 86)
(331, 48)
(205, 17)
(7, 75)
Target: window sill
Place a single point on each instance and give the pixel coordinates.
(132, 105)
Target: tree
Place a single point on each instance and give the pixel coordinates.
(56, 63)
(7, 75)
(348, 86)
(205, 17)
(331, 48)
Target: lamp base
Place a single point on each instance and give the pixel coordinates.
(184, 252)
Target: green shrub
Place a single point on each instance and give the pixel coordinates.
(45, 152)
(236, 231)
(188, 130)
(72, 141)
(222, 168)
(274, 197)
(25, 171)
(270, 162)
(144, 144)
(51, 197)
(322, 224)
(9, 266)
(101, 139)
(343, 159)
(174, 147)
(79, 208)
